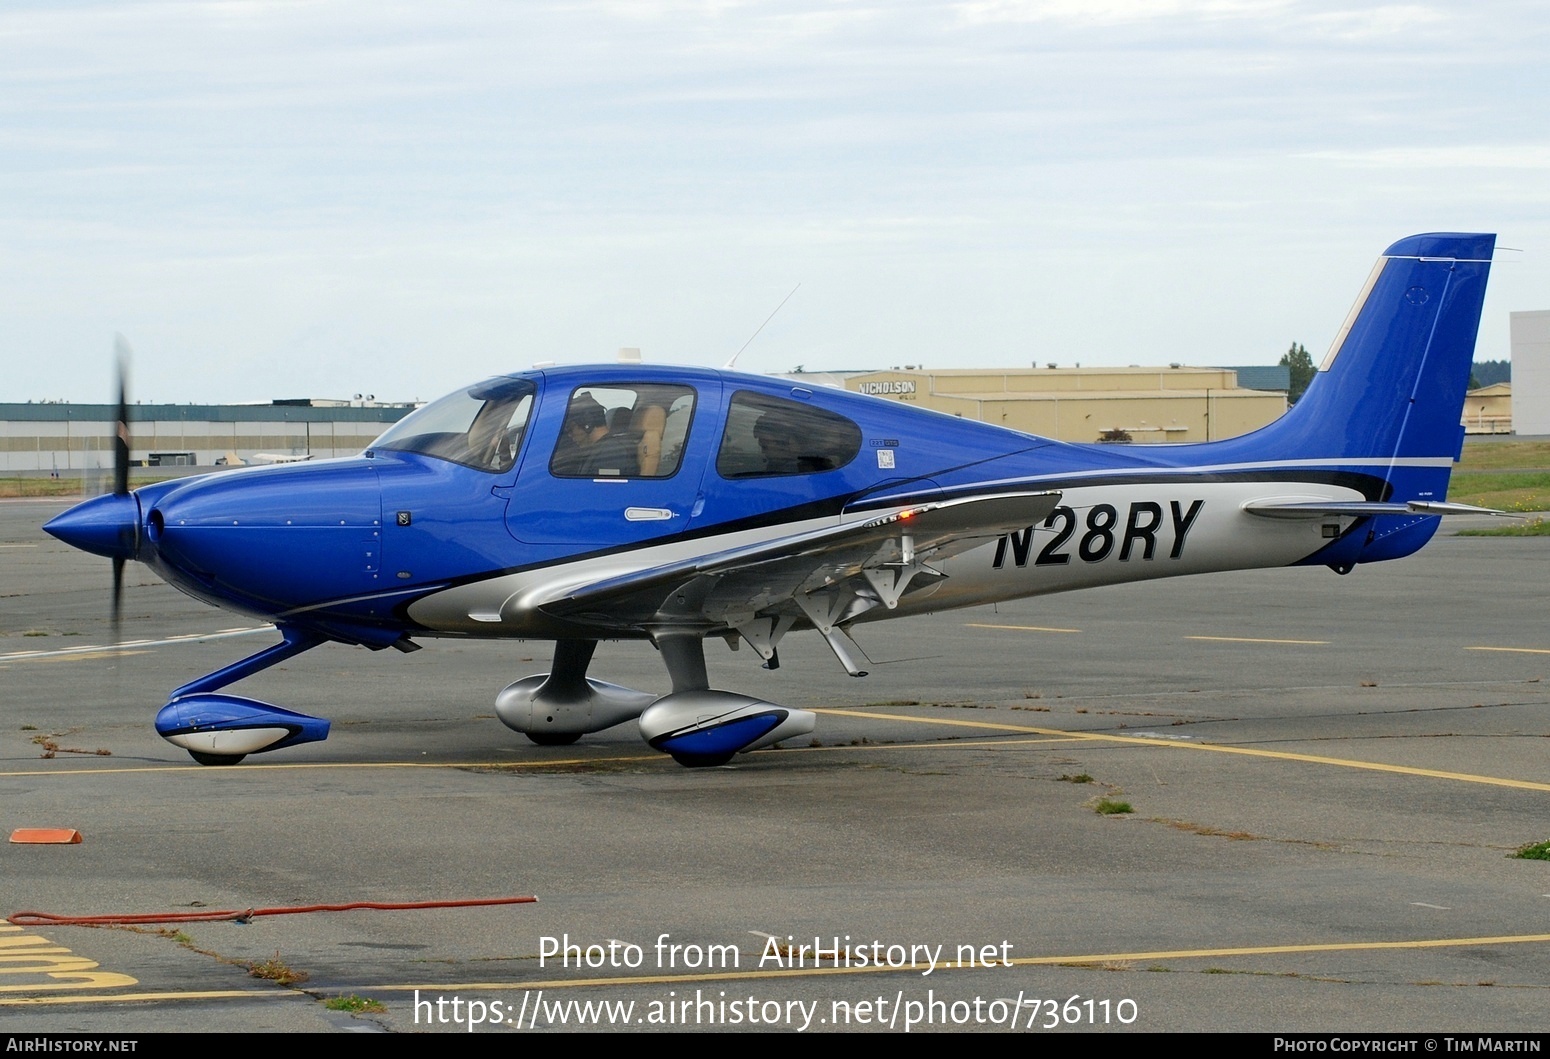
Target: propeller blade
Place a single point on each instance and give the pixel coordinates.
(118, 597)
(120, 472)
(121, 434)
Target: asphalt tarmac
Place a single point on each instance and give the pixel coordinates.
(1328, 777)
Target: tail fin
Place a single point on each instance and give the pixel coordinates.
(1389, 398)
(1392, 385)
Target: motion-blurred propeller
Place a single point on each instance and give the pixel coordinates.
(121, 472)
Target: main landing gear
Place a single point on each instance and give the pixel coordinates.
(698, 726)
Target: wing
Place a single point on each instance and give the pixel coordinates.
(827, 576)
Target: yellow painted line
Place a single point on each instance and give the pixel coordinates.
(955, 744)
(1248, 639)
(1057, 735)
(105, 653)
(245, 768)
(1180, 744)
(114, 998)
(808, 972)
(35, 956)
(248, 767)
(1279, 950)
(93, 979)
(1514, 650)
(1019, 628)
(1018, 961)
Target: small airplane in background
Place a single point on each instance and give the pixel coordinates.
(231, 459)
(581, 504)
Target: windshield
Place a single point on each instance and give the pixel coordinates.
(478, 427)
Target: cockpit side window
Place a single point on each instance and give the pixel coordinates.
(769, 437)
(480, 427)
(623, 431)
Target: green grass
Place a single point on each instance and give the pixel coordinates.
(1534, 851)
(354, 1004)
(1504, 455)
(276, 970)
(1112, 807)
(68, 486)
(1536, 527)
(1504, 490)
(1506, 475)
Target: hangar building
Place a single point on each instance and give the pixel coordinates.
(1142, 405)
(79, 437)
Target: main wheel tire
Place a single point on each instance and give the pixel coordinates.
(215, 759)
(553, 738)
(702, 761)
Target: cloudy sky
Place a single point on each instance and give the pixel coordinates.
(322, 198)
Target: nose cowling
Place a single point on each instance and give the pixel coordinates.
(107, 525)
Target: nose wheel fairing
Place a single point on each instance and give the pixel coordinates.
(222, 729)
(220, 726)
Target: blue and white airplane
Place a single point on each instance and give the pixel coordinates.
(581, 504)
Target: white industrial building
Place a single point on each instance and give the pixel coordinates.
(62, 437)
(1531, 372)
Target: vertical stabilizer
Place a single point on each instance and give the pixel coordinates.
(1386, 404)
(1393, 382)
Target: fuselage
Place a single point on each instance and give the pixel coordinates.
(471, 513)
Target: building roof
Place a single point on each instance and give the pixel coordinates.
(200, 413)
(1263, 376)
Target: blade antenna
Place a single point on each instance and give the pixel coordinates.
(729, 365)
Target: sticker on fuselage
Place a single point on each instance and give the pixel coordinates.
(1102, 535)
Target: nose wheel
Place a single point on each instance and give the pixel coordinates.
(215, 759)
(553, 738)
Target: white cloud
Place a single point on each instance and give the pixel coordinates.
(1441, 156)
(1112, 12)
(467, 182)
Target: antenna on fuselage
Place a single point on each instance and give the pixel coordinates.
(729, 365)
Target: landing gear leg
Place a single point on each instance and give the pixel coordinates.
(567, 680)
(684, 655)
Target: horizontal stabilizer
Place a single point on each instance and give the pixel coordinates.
(1283, 507)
